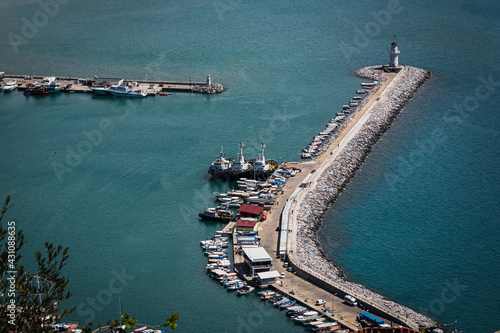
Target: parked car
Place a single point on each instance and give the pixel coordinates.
(320, 302)
(350, 300)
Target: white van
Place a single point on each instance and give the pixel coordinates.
(350, 300)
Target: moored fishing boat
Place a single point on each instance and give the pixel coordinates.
(216, 214)
(233, 169)
(237, 286)
(9, 85)
(287, 304)
(295, 310)
(118, 90)
(48, 86)
(303, 316)
(281, 301)
(246, 290)
(64, 327)
(220, 164)
(325, 327)
(368, 85)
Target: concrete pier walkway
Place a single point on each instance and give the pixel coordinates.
(311, 283)
(82, 85)
(269, 237)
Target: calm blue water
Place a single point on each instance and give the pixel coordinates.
(419, 223)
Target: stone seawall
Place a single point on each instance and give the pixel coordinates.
(334, 180)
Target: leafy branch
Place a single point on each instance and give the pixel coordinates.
(127, 322)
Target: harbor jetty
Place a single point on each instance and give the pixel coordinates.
(303, 198)
(339, 166)
(71, 84)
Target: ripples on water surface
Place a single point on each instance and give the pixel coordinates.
(131, 204)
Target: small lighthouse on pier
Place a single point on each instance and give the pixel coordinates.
(209, 80)
(394, 52)
(393, 61)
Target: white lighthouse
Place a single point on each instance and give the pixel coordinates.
(394, 52)
(209, 80)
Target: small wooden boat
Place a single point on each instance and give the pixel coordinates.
(237, 286)
(164, 94)
(282, 300)
(246, 290)
(287, 304)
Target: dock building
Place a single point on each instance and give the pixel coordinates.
(257, 259)
(247, 210)
(245, 226)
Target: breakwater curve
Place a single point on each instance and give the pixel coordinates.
(331, 178)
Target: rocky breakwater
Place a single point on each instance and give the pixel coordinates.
(214, 88)
(335, 178)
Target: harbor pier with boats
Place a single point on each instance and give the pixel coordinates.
(341, 162)
(114, 87)
(288, 232)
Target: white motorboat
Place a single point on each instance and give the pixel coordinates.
(306, 155)
(10, 85)
(263, 197)
(118, 90)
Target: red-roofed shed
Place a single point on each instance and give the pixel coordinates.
(245, 225)
(250, 210)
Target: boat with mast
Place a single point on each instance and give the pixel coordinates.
(120, 89)
(260, 164)
(221, 163)
(239, 165)
(48, 86)
(234, 169)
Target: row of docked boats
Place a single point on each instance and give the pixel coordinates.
(256, 192)
(218, 267)
(46, 87)
(300, 314)
(319, 142)
(232, 169)
(61, 327)
(236, 198)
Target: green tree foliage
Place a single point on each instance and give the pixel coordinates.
(127, 322)
(30, 301)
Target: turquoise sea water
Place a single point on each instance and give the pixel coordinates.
(419, 223)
